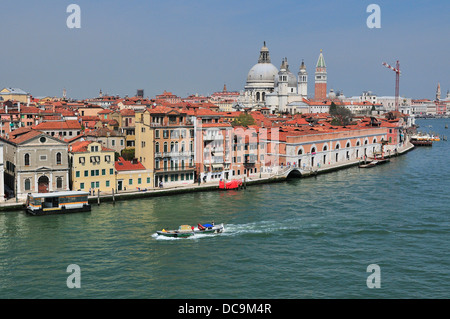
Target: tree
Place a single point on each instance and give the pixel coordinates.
(244, 119)
(128, 154)
(341, 115)
(333, 108)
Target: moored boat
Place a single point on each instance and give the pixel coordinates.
(377, 159)
(233, 184)
(417, 142)
(57, 203)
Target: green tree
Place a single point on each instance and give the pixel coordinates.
(128, 154)
(341, 115)
(244, 119)
(333, 109)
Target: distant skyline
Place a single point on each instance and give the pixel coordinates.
(189, 47)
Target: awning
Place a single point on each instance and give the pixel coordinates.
(216, 166)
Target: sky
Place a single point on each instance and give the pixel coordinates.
(189, 47)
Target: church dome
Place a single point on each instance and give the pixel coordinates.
(263, 73)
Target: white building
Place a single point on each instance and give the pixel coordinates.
(266, 86)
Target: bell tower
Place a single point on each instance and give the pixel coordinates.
(302, 81)
(320, 87)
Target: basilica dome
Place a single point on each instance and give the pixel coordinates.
(263, 73)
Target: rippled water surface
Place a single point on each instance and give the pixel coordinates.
(303, 238)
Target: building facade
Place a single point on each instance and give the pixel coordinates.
(35, 162)
(92, 167)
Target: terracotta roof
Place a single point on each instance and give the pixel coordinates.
(58, 125)
(18, 139)
(82, 146)
(123, 165)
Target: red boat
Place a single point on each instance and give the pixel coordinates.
(234, 184)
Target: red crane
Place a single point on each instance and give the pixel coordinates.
(397, 80)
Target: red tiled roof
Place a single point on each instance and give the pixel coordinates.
(58, 125)
(123, 165)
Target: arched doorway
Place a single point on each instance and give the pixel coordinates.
(43, 184)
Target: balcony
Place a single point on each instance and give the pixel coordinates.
(176, 154)
(174, 169)
(213, 137)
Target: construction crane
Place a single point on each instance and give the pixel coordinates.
(397, 80)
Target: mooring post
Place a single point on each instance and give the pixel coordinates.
(113, 198)
(98, 197)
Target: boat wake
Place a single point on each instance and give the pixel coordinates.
(260, 228)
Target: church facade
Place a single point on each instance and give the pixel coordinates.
(266, 86)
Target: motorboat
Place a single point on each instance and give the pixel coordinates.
(233, 184)
(187, 231)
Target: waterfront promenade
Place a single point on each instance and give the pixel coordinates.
(269, 175)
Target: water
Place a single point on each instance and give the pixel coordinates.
(304, 238)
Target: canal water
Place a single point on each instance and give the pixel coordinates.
(303, 238)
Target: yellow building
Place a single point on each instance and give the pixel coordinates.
(132, 176)
(92, 167)
(144, 149)
(14, 94)
(165, 145)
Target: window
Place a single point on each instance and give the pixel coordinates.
(59, 182)
(81, 185)
(81, 160)
(107, 158)
(148, 180)
(139, 181)
(111, 171)
(156, 133)
(58, 158)
(130, 181)
(77, 173)
(107, 183)
(103, 171)
(86, 173)
(157, 147)
(43, 157)
(27, 184)
(27, 159)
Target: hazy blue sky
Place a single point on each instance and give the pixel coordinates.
(192, 47)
